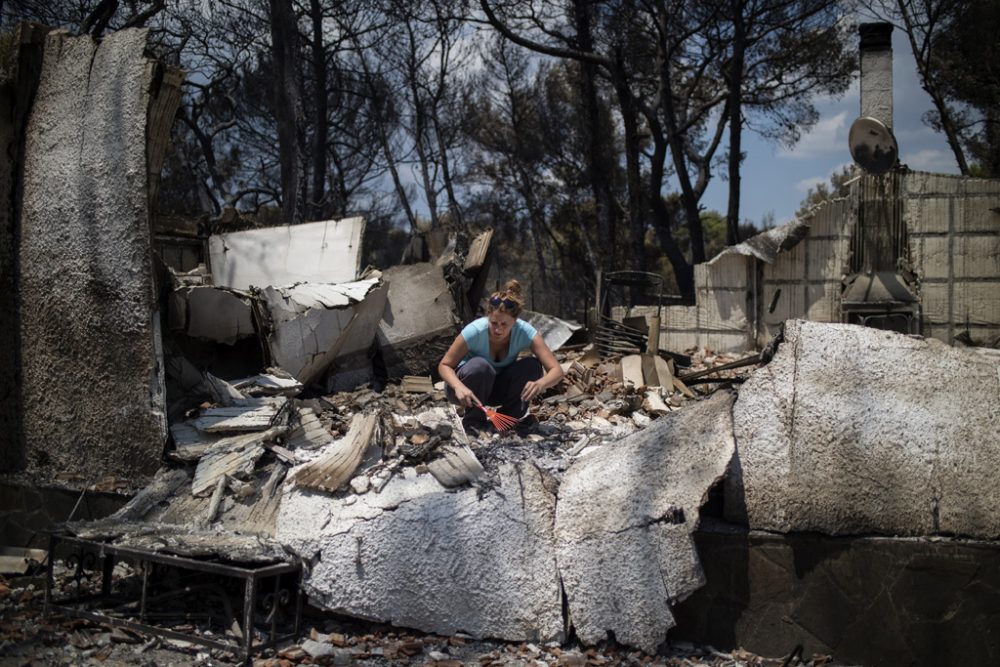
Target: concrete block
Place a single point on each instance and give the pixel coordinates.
(624, 522)
(977, 303)
(974, 256)
(789, 265)
(823, 302)
(930, 256)
(314, 252)
(851, 430)
(790, 303)
(92, 382)
(312, 326)
(444, 561)
(982, 186)
(940, 215)
(979, 214)
(419, 322)
(935, 215)
(922, 183)
(935, 304)
(833, 218)
(725, 271)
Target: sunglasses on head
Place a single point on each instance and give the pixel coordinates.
(496, 301)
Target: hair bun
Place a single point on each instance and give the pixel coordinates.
(513, 288)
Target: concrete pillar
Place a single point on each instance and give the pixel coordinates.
(876, 71)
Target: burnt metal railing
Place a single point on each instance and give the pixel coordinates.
(118, 610)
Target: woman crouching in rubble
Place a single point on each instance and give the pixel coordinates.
(481, 366)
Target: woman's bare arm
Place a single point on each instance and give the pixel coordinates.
(553, 371)
(446, 369)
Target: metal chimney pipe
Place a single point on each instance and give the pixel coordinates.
(876, 71)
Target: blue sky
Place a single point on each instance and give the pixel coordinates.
(775, 179)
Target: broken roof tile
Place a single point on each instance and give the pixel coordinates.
(251, 414)
(336, 465)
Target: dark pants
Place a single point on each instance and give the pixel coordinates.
(498, 386)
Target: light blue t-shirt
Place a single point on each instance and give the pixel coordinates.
(477, 338)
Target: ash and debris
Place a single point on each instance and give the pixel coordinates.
(29, 638)
(592, 407)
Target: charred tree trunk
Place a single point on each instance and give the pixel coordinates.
(600, 172)
(317, 204)
(633, 176)
(735, 123)
(288, 110)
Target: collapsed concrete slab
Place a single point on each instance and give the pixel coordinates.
(312, 325)
(419, 322)
(850, 430)
(624, 521)
(421, 556)
(89, 327)
(314, 252)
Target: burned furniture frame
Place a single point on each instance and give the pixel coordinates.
(614, 337)
(105, 607)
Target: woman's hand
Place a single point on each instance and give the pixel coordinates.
(465, 396)
(531, 390)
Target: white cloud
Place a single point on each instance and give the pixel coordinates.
(808, 183)
(930, 159)
(828, 136)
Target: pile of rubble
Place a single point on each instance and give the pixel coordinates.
(357, 483)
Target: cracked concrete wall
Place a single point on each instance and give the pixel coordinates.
(850, 430)
(495, 560)
(418, 555)
(624, 521)
(89, 333)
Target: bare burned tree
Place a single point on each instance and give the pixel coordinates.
(288, 109)
(659, 75)
(777, 55)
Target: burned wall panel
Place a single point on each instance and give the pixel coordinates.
(827, 258)
(954, 224)
(92, 394)
(419, 322)
(318, 252)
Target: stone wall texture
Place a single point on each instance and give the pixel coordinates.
(88, 330)
(851, 430)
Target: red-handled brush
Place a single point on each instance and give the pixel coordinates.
(499, 420)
